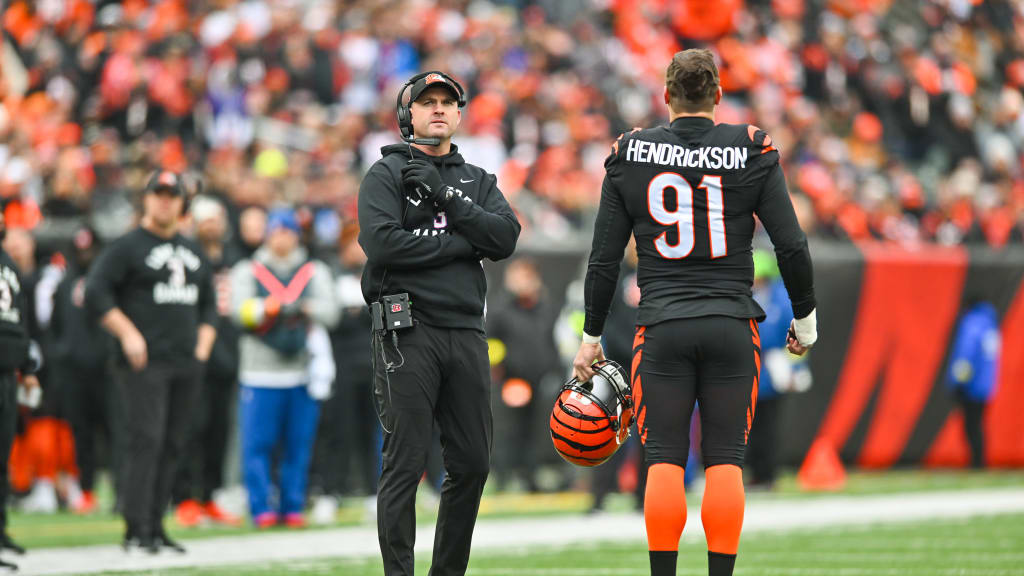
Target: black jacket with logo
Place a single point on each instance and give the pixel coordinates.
(163, 285)
(433, 255)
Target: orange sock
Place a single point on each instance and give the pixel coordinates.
(664, 507)
(722, 509)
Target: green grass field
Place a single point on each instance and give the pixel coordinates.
(42, 531)
(983, 546)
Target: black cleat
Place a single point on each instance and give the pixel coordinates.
(7, 544)
(9, 566)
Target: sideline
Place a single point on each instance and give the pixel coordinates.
(769, 514)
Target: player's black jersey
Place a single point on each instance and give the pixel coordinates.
(688, 192)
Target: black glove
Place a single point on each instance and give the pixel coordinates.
(422, 176)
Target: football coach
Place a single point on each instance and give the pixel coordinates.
(426, 219)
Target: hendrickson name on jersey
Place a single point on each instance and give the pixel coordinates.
(705, 157)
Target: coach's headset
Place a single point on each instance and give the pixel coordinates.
(404, 111)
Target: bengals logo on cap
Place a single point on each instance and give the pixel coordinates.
(167, 178)
(431, 78)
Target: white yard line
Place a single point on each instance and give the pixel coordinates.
(767, 514)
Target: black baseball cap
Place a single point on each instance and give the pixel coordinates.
(434, 79)
(165, 180)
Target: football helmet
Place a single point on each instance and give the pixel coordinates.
(590, 420)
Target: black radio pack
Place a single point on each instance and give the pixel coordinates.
(392, 312)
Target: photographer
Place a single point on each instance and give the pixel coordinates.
(426, 219)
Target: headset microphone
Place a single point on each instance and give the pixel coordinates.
(404, 113)
(423, 141)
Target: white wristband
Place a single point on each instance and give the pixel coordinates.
(806, 328)
(588, 339)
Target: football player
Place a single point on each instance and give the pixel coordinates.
(688, 193)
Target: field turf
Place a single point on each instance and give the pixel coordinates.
(982, 546)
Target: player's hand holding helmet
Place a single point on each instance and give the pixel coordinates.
(591, 419)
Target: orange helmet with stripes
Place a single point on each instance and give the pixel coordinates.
(590, 420)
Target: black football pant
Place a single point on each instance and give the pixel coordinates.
(711, 360)
(158, 403)
(8, 426)
(445, 376)
(201, 470)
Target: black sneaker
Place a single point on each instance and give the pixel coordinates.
(132, 543)
(163, 540)
(7, 544)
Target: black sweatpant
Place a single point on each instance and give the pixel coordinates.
(90, 407)
(158, 403)
(445, 375)
(974, 412)
(201, 470)
(763, 447)
(605, 478)
(8, 426)
(345, 456)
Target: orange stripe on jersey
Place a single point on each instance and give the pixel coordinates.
(641, 418)
(767, 150)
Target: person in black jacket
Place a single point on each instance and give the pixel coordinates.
(81, 361)
(202, 468)
(17, 368)
(523, 324)
(426, 219)
(152, 289)
(346, 459)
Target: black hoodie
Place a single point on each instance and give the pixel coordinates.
(14, 310)
(433, 255)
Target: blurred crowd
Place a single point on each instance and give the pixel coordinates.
(896, 120)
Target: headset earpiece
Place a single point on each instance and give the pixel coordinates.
(405, 121)
(402, 111)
